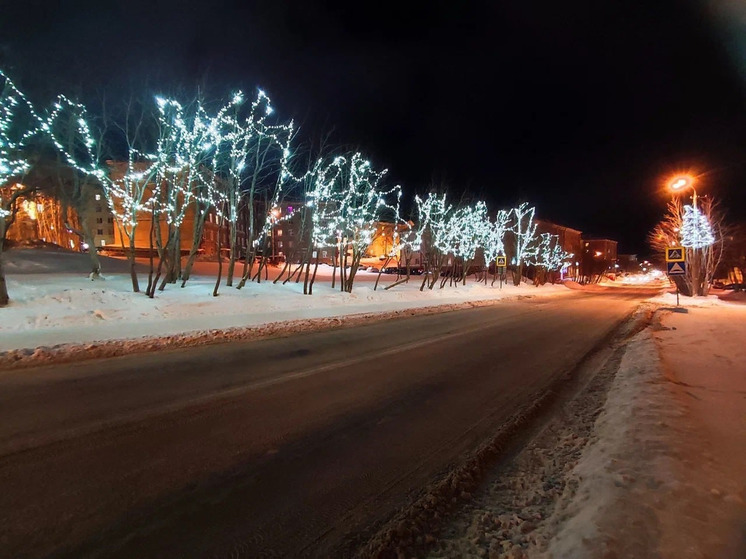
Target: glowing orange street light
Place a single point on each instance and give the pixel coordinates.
(686, 181)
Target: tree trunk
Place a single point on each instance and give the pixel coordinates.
(232, 261)
(197, 230)
(92, 252)
(220, 264)
(334, 268)
(131, 258)
(517, 274)
(4, 298)
(150, 290)
(313, 277)
(385, 263)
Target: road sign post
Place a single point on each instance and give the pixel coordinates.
(501, 262)
(676, 265)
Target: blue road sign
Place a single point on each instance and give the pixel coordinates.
(676, 268)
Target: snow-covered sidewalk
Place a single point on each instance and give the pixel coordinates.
(52, 308)
(665, 472)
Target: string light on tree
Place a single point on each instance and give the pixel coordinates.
(18, 123)
(696, 231)
(494, 239)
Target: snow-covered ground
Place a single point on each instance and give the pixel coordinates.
(656, 469)
(662, 473)
(665, 472)
(53, 302)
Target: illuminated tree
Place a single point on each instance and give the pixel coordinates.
(548, 257)
(66, 125)
(494, 239)
(130, 186)
(17, 126)
(702, 256)
(524, 236)
(431, 232)
(346, 201)
(465, 231)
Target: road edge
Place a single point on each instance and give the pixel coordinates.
(413, 530)
(23, 358)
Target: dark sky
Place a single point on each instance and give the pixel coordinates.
(582, 108)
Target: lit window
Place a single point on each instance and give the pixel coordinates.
(279, 232)
(103, 242)
(98, 197)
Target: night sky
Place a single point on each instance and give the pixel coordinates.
(582, 108)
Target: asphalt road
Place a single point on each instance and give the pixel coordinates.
(288, 447)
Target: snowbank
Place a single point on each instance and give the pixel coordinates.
(53, 309)
(663, 475)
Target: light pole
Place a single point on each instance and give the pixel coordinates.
(678, 184)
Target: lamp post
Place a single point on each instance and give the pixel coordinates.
(678, 184)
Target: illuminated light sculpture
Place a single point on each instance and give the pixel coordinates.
(696, 231)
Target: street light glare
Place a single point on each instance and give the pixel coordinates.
(680, 182)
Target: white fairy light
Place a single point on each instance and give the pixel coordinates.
(494, 236)
(549, 253)
(13, 132)
(696, 231)
(524, 231)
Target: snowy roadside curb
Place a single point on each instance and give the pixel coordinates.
(653, 476)
(625, 457)
(70, 352)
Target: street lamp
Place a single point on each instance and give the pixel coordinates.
(683, 182)
(678, 184)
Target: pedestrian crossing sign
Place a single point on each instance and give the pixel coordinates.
(675, 254)
(676, 268)
(502, 261)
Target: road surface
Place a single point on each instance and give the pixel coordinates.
(289, 447)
